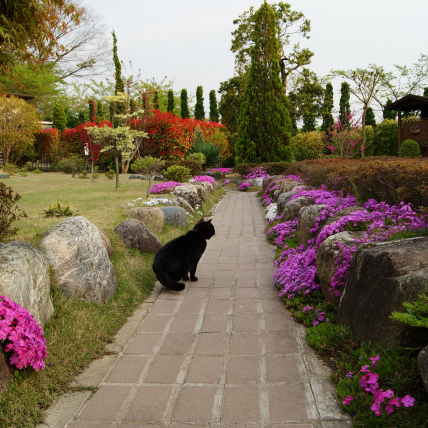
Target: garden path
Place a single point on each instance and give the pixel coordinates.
(222, 353)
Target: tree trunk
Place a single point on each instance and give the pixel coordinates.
(150, 185)
(6, 152)
(364, 131)
(92, 170)
(116, 164)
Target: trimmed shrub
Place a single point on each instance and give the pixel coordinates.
(197, 156)
(308, 145)
(385, 139)
(194, 166)
(177, 173)
(244, 168)
(276, 168)
(410, 149)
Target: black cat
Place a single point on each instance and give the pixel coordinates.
(179, 257)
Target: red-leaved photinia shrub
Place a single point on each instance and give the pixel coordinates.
(44, 139)
(74, 140)
(170, 136)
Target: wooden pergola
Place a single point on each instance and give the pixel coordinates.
(412, 129)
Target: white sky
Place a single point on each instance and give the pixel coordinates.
(189, 40)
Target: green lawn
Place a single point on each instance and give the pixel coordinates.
(79, 331)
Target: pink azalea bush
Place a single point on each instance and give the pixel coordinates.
(22, 336)
(164, 187)
(384, 401)
(202, 178)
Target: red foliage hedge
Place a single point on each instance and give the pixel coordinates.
(388, 179)
(43, 140)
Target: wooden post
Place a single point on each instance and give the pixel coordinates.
(399, 129)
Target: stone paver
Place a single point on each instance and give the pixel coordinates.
(222, 353)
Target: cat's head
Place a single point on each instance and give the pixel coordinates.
(206, 228)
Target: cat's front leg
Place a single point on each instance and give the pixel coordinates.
(192, 273)
(186, 277)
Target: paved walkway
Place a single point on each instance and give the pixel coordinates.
(222, 353)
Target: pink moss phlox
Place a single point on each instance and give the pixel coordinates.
(202, 178)
(164, 187)
(258, 172)
(244, 186)
(226, 182)
(22, 335)
(283, 231)
(222, 170)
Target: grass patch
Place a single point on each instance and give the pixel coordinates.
(78, 331)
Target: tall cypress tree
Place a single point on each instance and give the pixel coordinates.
(199, 107)
(119, 86)
(100, 111)
(264, 123)
(170, 101)
(389, 114)
(59, 118)
(327, 108)
(344, 106)
(370, 117)
(156, 100)
(213, 107)
(184, 106)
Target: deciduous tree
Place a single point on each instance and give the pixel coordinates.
(264, 123)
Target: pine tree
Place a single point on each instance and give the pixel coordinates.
(264, 123)
(213, 107)
(156, 100)
(184, 106)
(199, 107)
(170, 101)
(59, 118)
(370, 117)
(119, 85)
(389, 114)
(327, 108)
(344, 106)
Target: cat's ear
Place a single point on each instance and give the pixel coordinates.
(201, 221)
(210, 220)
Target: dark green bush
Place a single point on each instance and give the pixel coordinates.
(385, 139)
(244, 168)
(276, 168)
(410, 149)
(210, 151)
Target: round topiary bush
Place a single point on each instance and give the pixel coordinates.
(198, 156)
(410, 149)
(177, 173)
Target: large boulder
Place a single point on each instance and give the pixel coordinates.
(184, 204)
(152, 217)
(282, 201)
(201, 191)
(381, 277)
(137, 235)
(188, 192)
(24, 278)
(423, 366)
(286, 185)
(336, 216)
(209, 188)
(137, 177)
(175, 216)
(292, 208)
(107, 243)
(326, 258)
(307, 219)
(76, 251)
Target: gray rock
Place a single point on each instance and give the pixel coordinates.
(5, 370)
(215, 174)
(307, 219)
(209, 188)
(381, 277)
(175, 216)
(423, 366)
(162, 200)
(152, 217)
(106, 242)
(326, 258)
(292, 208)
(136, 235)
(76, 251)
(137, 176)
(24, 278)
(188, 192)
(282, 201)
(201, 191)
(158, 177)
(184, 204)
(256, 181)
(4, 175)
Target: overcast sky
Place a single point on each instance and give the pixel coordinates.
(189, 40)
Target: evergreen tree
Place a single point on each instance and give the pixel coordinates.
(156, 100)
(170, 101)
(119, 85)
(213, 107)
(370, 117)
(92, 108)
(232, 96)
(81, 117)
(344, 106)
(327, 108)
(425, 92)
(184, 107)
(100, 111)
(59, 118)
(199, 107)
(309, 123)
(264, 123)
(389, 114)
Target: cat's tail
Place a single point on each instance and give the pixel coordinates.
(163, 276)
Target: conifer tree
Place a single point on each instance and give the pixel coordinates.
(156, 100)
(344, 106)
(213, 107)
(199, 107)
(59, 119)
(327, 108)
(100, 112)
(119, 85)
(184, 106)
(92, 108)
(370, 117)
(170, 101)
(264, 123)
(389, 114)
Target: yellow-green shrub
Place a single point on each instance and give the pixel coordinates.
(307, 145)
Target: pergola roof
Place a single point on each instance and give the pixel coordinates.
(409, 103)
(22, 96)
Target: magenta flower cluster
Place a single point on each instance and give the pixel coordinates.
(258, 172)
(222, 170)
(202, 178)
(244, 186)
(384, 401)
(164, 187)
(22, 335)
(226, 182)
(319, 315)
